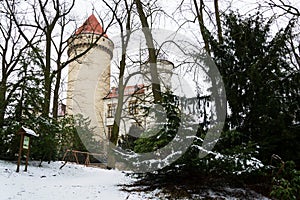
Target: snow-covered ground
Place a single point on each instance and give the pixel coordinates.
(80, 182)
(71, 182)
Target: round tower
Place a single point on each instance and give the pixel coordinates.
(90, 35)
(92, 50)
(165, 73)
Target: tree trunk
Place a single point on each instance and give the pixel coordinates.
(203, 29)
(218, 20)
(216, 92)
(152, 53)
(56, 95)
(117, 118)
(118, 113)
(2, 101)
(47, 76)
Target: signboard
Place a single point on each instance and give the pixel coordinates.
(25, 134)
(26, 142)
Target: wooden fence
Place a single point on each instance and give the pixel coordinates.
(81, 157)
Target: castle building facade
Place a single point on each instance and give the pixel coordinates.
(89, 92)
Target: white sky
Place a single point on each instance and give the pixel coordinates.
(84, 8)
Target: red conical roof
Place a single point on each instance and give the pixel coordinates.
(91, 25)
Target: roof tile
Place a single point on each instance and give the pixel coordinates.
(91, 25)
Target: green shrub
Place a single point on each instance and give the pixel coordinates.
(286, 183)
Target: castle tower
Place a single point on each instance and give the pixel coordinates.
(85, 88)
(165, 73)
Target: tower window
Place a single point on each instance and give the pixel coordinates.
(111, 110)
(109, 131)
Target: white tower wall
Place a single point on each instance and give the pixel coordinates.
(86, 86)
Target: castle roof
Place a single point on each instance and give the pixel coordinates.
(128, 91)
(91, 25)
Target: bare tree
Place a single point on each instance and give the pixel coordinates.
(12, 50)
(284, 8)
(284, 5)
(122, 13)
(51, 20)
(156, 89)
(204, 32)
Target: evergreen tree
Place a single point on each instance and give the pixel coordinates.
(260, 83)
(154, 139)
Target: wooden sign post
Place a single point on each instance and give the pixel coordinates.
(25, 145)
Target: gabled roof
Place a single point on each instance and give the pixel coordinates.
(128, 91)
(91, 25)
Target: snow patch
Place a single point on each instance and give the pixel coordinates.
(71, 182)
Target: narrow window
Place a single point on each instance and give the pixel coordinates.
(111, 110)
(109, 131)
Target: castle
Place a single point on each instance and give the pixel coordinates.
(90, 92)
